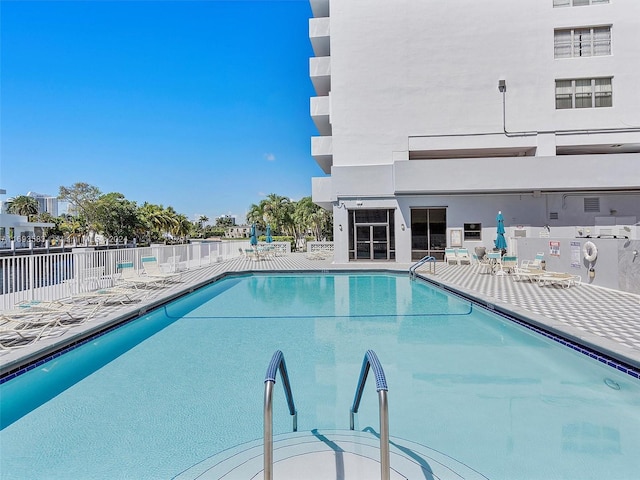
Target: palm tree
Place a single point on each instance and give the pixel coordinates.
(202, 219)
(256, 214)
(23, 205)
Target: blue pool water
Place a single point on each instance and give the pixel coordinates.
(154, 397)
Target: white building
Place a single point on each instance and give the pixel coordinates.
(434, 115)
(46, 203)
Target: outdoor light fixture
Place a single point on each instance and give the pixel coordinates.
(502, 86)
(340, 227)
(402, 227)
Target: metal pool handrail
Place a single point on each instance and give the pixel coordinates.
(277, 362)
(371, 360)
(419, 263)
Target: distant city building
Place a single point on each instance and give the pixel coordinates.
(240, 231)
(434, 115)
(46, 203)
(227, 218)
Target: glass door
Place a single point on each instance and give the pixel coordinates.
(371, 235)
(428, 232)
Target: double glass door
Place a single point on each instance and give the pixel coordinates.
(371, 235)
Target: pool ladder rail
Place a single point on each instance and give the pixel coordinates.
(370, 361)
(428, 259)
(326, 454)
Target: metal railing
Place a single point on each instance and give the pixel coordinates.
(422, 261)
(277, 363)
(54, 276)
(371, 360)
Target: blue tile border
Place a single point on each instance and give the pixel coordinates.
(589, 352)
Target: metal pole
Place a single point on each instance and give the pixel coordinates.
(268, 430)
(385, 463)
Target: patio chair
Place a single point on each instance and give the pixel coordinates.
(564, 280)
(41, 311)
(527, 274)
(128, 276)
(20, 333)
(495, 260)
(509, 263)
(173, 265)
(535, 263)
(450, 257)
(462, 255)
(152, 269)
(483, 264)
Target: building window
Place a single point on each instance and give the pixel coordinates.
(582, 42)
(583, 93)
(473, 231)
(577, 3)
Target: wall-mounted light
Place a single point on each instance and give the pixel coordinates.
(340, 227)
(502, 86)
(402, 227)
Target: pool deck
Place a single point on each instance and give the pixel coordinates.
(602, 319)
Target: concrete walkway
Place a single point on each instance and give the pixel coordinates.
(606, 320)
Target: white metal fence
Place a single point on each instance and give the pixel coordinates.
(52, 276)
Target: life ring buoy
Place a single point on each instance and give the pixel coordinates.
(590, 251)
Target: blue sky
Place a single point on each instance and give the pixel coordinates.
(201, 105)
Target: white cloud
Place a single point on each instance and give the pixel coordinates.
(269, 157)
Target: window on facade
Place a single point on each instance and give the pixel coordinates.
(582, 42)
(583, 93)
(577, 3)
(473, 231)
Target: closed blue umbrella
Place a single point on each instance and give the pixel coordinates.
(253, 240)
(269, 239)
(501, 243)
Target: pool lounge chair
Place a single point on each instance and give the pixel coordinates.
(527, 274)
(41, 311)
(152, 269)
(128, 276)
(535, 263)
(509, 263)
(564, 280)
(20, 333)
(450, 257)
(462, 255)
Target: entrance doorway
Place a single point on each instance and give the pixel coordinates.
(371, 235)
(428, 232)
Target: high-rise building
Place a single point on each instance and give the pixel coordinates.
(46, 203)
(435, 115)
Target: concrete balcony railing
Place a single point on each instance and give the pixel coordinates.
(320, 110)
(322, 151)
(320, 73)
(320, 8)
(320, 36)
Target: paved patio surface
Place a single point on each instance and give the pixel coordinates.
(606, 320)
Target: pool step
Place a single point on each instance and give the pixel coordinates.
(330, 454)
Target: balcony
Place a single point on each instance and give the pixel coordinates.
(322, 151)
(320, 113)
(320, 73)
(321, 191)
(319, 36)
(320, 8)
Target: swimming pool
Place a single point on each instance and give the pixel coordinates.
(165, 391)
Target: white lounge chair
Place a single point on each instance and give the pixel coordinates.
(152, 269)
(535, 263)
(462, 255)
(527, 274)
(564, 280)
(20, 333)
(128, 276)
(450, 257)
